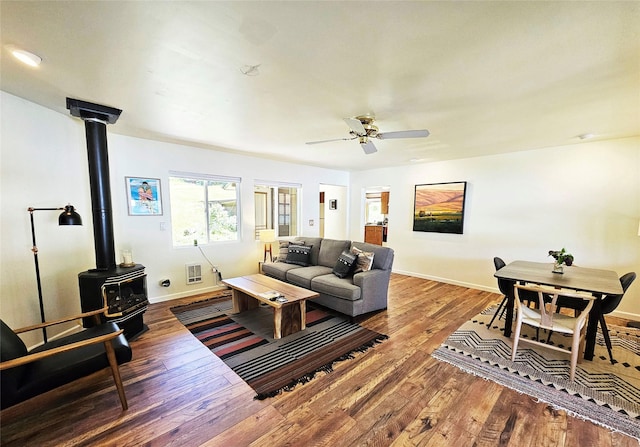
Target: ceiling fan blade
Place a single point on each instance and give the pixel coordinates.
(328, 141)
(368, 147)
(403, 134)
(356, 126)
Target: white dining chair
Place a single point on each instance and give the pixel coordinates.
(545, 317)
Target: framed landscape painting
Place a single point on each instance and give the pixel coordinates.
(439, 207)
(144, 196)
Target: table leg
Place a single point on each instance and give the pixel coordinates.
(303, 315)
(241, 301)
(592, 329)
(277, 323)
(289, 319)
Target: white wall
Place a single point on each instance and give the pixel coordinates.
(335, 221)
(585, 197)
(152, 246)
(44, 164)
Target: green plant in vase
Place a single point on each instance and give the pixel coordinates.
(561, 258)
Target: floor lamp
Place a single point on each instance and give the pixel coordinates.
(267, 237)
(68, 217)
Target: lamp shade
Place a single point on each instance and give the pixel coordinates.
(69, 216)
(267, 236)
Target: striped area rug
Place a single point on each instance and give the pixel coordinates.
(606, 394)
(245, 343)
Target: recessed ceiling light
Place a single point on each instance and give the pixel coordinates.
(586, 136)
(26, 57)
(416, 160)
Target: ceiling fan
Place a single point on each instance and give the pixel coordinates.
(363, 129)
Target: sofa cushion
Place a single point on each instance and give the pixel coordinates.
(299, 254)
(303, 276)
(340, 287)
(278, 270)
(330, 250)
(364, 263)
(345, 264)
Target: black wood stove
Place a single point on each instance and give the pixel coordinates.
(123, 290)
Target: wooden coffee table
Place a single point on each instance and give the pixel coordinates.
(288, 317)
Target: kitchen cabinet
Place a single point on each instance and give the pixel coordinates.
(384, 202)
(373, 234)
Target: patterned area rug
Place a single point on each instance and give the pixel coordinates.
(245, 343)
(606, 394)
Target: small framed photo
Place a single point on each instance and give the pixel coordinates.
(333, 204)
(144, 197)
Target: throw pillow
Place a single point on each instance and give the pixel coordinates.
(344, 264)
(364, 263)
(299, 254)
(284, 249)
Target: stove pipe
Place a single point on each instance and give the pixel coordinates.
(96, 117)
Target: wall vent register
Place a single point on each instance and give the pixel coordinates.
(194, 273)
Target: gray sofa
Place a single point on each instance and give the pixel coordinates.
(353, 295)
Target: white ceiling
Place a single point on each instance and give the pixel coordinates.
(482, 77)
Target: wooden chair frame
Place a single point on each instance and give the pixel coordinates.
(545, 317)
(106, 339)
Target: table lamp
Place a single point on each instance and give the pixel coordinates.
(267, 237)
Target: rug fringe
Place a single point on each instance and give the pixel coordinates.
(327, 368)
(221, 295)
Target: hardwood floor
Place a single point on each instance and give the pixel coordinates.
(393, 395)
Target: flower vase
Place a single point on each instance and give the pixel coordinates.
(557, 268)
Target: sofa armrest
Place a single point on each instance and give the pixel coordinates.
(373, 281)
(374, 287)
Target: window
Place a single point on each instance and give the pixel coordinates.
(373, 208)
(203, 208)
(277, 207)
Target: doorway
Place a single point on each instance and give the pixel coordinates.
(376, 214)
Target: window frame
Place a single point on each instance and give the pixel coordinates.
(207, 210)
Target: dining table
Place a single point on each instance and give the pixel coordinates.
(596, 281)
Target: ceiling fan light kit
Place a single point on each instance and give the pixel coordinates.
(362, 128)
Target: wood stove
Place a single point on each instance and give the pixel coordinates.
(123, 290)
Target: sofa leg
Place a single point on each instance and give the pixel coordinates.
(115, 371)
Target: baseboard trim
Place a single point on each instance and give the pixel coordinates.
(625, 315)
(449, 281)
